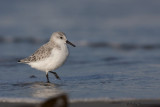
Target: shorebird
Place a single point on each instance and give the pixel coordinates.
(51, 55)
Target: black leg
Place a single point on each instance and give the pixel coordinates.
(55, 74)
(47, 77)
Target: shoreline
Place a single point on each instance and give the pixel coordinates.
(20, 102)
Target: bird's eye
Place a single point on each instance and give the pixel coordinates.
(61, 37)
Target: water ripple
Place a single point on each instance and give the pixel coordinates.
(122, 46)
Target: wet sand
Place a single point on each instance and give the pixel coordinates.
(117, 103)
(61, 101)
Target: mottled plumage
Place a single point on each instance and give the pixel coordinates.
(43, 52)
(51, 55)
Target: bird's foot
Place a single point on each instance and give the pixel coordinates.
(55, 74)
(48, 82)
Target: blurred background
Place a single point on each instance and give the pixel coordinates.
(117, 53)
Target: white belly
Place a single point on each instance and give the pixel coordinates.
(55, 60)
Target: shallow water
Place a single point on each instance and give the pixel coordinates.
(104, 73)
(117, 55)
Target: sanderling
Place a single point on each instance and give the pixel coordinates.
(50, 56)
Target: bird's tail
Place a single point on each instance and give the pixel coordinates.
(23, 61)
(19, 61)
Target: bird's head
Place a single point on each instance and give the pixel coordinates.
(60, 38)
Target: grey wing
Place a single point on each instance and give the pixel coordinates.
(40, 54)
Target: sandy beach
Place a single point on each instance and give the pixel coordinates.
(120, 103)
(62, 101)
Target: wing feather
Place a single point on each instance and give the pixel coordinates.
(43, 52)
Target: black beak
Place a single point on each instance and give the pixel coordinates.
(70, 43)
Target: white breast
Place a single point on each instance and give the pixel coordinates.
(55, 60)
